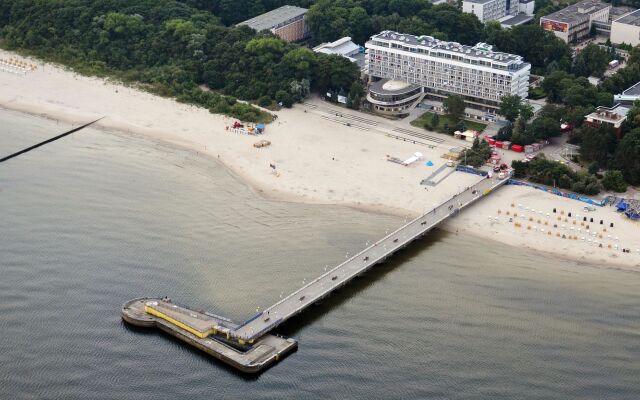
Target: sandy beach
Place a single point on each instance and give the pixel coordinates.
(324, 155)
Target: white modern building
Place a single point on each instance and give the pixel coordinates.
(498, 10)
(626, 29)
(343, 47)
(628, 96)
(486, 10)
(478, 74)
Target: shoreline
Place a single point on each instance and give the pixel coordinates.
(321, 159)
(261, 190)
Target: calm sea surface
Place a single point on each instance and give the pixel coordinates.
(98, 218)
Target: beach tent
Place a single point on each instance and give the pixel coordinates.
(416, 156)
(622, 206)
(429, 163)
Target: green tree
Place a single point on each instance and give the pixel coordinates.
(356, 92)
(521, 135)
(537, 46)
(264, 101)
(299, 89)
(526, 111)
(554, 84)
(435, 120)
(454, 107)
(519, 168)
(598, 144)
(633, 116)
(298, 63)
(613, 180)
(544, 127)
(627, 157)
(334, 73)
(634, 55)
(510, 107)
(591, 61)
(284, 99)
(478, 154)
(604, 99)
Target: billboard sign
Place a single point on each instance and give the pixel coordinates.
(554, 26)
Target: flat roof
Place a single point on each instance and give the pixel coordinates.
(619, 11)
(480, 50)
(274, 17)
(517, 19)
(633, 18)
(609, 114)
(341, 46)
(633, 90)
(577, 12)
(477, 1)
(390, 86)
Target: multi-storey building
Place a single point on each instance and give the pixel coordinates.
(573, 23)
(486, 10)
(287, 22)
(604, 27)
(626, 29)
(610, 116)
(478, 74)
(498, 10)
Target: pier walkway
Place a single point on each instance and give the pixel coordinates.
(322, 286)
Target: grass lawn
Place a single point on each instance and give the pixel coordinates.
(537, 93)
(425, 122)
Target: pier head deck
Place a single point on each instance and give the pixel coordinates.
(210, 332)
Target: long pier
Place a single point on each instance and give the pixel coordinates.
(254, 331)
(322, 286)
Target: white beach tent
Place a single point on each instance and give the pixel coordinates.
(415, 157)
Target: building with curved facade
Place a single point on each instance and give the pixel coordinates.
(392, 97)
